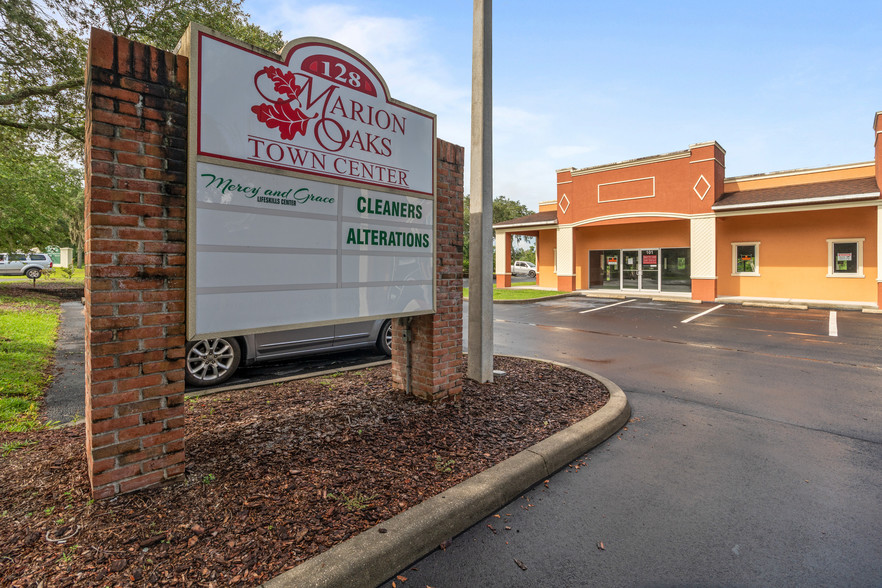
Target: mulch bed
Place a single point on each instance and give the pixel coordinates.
(55, 289)
(275, 475)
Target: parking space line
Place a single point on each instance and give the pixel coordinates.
(701, 314)
(607, 306)
(834, 328)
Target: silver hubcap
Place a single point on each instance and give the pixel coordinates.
(210, 359)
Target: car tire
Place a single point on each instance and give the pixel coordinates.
(532, 274)
(33, 273)
(210, 362)
(384, 340)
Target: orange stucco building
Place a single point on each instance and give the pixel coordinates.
(674, 224)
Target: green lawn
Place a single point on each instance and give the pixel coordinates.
(506, 294)
(28, 329)
(55, 275)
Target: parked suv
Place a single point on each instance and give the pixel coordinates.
(213, 361)
(523, 268)
(31, 265)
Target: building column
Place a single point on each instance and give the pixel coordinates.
(879, 256)
(566, 277)
(703, 246)
(503, 259)
(877, 126)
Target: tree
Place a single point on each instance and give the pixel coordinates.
(43, 53)
(503, 210)
(43, 49)
(76, 225)
(524, 254)
(36, 192)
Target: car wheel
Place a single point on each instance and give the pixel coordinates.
(211, 361)
(384, 341)
(33, 273)
(532, 274)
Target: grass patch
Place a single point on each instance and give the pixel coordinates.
(28, 329)
(507, 294)
(56, 275)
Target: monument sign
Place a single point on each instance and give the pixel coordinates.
(311, 196)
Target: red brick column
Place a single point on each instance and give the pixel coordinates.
(136, 164)
(436, 345)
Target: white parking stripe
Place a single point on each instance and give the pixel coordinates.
(700, 314)
(607, 306)
(834, 328)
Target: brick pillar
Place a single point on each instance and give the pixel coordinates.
(136, 163)
(436, 346)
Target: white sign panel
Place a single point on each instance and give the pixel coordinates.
(318, 110)
(311, 192)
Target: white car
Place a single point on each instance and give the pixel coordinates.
(211, 362)
(31, 265)
(524, 268)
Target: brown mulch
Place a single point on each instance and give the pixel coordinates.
(53, 289)
(275, 475)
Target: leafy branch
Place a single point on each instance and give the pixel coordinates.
(31, 91)
(77, 133)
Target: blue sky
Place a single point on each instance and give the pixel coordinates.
(780, 85)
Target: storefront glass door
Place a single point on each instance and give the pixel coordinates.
(649, 269)
(631, 269)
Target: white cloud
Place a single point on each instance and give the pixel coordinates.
(397, 47)
(420, 71)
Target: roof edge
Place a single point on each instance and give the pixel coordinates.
(798, 172)
(628, 163)
(526, 225)
(708, 144)
(796, 201)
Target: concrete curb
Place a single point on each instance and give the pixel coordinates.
(529, 300)
(377, 554)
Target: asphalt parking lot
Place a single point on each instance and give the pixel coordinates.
(821, 334)
(753, 455)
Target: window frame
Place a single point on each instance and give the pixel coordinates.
(859, 270)
(756, 258)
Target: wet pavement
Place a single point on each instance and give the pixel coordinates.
(753, 457)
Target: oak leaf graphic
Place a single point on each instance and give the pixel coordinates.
(284, 82)
(289, 120)
(280, 113)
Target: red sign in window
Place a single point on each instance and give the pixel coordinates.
(650, 259)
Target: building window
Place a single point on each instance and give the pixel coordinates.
(555, 261)
(845, 258)
(676, 271)
(745, 259)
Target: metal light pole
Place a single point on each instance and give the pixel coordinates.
(480, 366)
